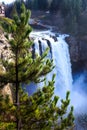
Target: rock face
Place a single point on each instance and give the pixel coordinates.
(78, 52)
(5, 54)
(4, 47)
(83, 50)
(77, 45)
(74, 48)
(7, 91)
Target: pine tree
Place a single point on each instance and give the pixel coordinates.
(43, 5)
(7, 113)
(41, 111)
(55, 5)
(14, 11)
(38, 111)
(23, 69)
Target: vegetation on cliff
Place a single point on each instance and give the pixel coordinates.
(73, 12)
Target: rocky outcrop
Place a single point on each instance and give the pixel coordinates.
(78, 51)
(5, 54)
(73, 47)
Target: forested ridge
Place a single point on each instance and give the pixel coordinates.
(54, 5)
(73, 12)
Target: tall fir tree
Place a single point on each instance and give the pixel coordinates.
(23, 69)
(37, 112)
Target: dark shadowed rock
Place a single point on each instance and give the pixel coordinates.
(73, 47)
(49, 45)
(40, 47)
(78, 52)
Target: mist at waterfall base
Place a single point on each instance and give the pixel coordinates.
(59, 52)
(79, 92)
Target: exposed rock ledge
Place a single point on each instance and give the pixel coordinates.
(5, 54)
(78, 51)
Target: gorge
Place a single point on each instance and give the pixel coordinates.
(65, 80)
(59, 52)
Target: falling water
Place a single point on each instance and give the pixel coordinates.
(59, 52)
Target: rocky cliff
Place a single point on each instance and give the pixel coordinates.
(77, 43)
(78, 52)
(5, 54)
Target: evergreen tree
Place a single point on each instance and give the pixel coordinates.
(14, 11)
(38, 111)
(71, 7)
(71, 10)
(55, 5)
(34, 4)
(77, 7)
(28, 4)
(23, 69)
(65, 7)
(43, 4)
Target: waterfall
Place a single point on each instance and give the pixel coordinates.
(59, 52)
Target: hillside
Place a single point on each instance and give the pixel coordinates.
(77, 42)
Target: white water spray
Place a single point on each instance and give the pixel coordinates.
(59, 52)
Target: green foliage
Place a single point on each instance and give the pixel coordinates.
(71, 7)
(7, 126)
(22, 57)
(14, 11)
(7, 113)
(43, 5)
(39, 111)
(55, 5)
(28, 4)
(71, 11)
(37, 4)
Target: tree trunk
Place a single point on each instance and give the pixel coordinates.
(17, 93)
